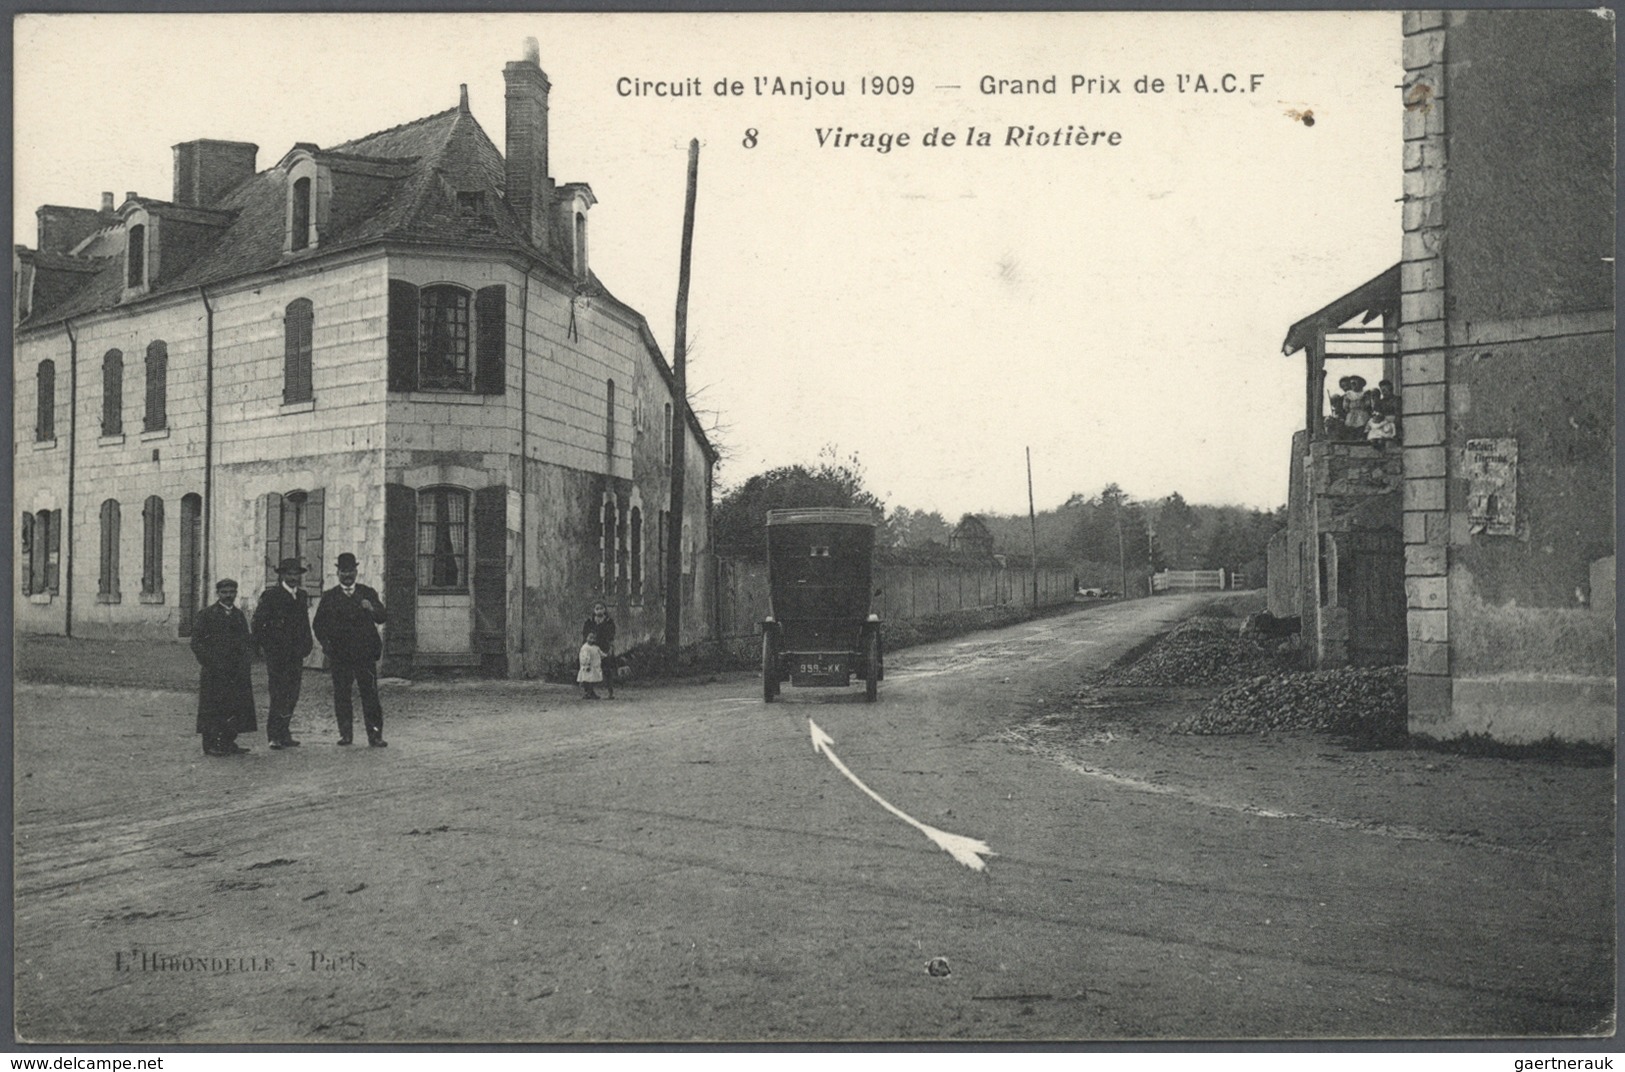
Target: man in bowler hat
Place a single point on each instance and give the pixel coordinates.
(225, 690)
(282, 632)
(347, 624)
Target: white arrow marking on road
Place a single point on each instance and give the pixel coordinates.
(967, 851)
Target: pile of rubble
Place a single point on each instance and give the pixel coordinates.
(1367, 703)
(1201, 651)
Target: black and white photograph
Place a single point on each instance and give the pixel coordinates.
(821, 529)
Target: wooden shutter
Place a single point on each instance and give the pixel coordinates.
(273, 536)
(26, 556)
(491, 570)
(157, 387)
(491, 340)
(400, 577)
(298, 330)
(152, 546)
(403, 338)
(315, 522)
(53, 549)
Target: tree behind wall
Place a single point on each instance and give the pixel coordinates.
(739, 523)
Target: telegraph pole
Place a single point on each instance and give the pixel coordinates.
(679, 417)
(1032, 521)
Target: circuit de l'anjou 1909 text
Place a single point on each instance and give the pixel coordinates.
(810, 88)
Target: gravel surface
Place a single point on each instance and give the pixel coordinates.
(1368, 703)
(1201, 651)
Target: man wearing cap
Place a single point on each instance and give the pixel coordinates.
(225, 690)
(347, 624)
(282, 632)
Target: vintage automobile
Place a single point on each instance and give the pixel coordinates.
(819, 630)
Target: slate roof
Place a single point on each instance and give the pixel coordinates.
(417, 168)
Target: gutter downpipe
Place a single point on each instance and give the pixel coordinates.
(208, 446)
(66, 540)
(524, 461)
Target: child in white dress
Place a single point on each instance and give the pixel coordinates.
(591, 669)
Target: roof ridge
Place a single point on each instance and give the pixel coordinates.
(390, 130)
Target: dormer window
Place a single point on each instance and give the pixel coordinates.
(470, 205)
(309, 186)
(299, 230)
(581, 245)
(135, 257)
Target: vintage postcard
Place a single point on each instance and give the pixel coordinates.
(848, 528)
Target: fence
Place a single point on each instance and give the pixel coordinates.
(905, 590)
(1189, 581)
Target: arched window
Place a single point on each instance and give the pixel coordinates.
(609, 418)
(113, 393)
(157, 387)
(635, 540)
(610, 535)
(107, 586)
(443, 540)
(299, 231)
(135, 256)
(45, 409)
(443, 338)
(298, 326)
(152, 548)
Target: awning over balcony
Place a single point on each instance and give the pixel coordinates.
(1378, 297)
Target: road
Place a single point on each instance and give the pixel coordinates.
(681, 864)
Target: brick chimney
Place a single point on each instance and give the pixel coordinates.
(527, 188)
(61, 229)
(205, 170)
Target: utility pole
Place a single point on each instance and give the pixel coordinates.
(1032, 521)
(679, 417)
(1122, 558)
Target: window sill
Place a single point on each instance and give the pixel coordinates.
(451, 397)
(307, 406)
(442, 591)
(111, 440)
(103, 597)
(152, 597)
(44, 444)
(40, 599)
(156, 433)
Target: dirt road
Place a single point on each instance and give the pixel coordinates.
(680, 864)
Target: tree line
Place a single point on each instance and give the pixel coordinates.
(1107, 539)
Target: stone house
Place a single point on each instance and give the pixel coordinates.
(396, 347)
(1507, 345)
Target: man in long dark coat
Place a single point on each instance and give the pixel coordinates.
(282, 632)
(225, 690)
(347, 624)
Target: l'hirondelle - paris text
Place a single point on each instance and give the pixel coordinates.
(1023, 137)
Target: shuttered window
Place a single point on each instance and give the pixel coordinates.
(635, 552)
(25, 554)
(45, 398)
(113, 393)
(47, 551)
(152, 547)
(157, 387)
(298, 327)
(294, 528)
(107, 585)
(446, 338)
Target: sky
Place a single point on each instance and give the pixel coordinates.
(936, 310)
